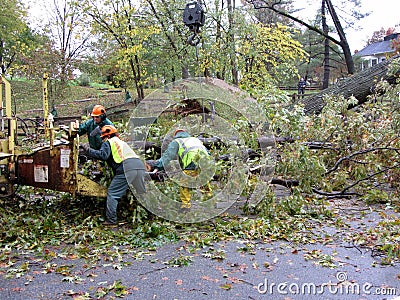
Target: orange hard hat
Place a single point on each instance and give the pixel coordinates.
(178, 130)
(98, 110)
(108, 130)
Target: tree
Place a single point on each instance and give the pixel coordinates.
(240, 47)
(15, 35)
(378, 36)
(149, 44)
(259, 61)
(68, 31)
(102, 64)
(41, 58)
(173, 36)
(269, 17)
(396, 46)
(342, 42)
(119, 22)
(223, 50)
(317, 68)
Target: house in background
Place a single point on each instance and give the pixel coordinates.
(377, 52)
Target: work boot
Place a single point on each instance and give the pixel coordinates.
(110, 224)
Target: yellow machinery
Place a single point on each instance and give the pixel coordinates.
(53, 166)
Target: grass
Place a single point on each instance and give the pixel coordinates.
(27, 98)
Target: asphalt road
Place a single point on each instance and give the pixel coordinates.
(233, 269)
(272, 271)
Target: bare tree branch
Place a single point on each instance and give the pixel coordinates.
(349, 157)
(370, 176)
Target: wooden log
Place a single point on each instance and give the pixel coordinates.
(359, 85)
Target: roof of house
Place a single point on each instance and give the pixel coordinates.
(378, 47)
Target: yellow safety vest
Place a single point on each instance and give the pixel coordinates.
(120, 150)
(190, 149)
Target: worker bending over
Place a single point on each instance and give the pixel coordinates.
(188, 149)
(127, 168)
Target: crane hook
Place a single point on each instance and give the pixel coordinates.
(193, 40)
(193, 17)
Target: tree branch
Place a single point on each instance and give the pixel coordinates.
(256, 5)
(350, 156)
(370, 176)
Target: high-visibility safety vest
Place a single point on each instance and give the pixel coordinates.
(189, 149)
(120, 150)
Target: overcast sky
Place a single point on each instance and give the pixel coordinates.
(383, 13)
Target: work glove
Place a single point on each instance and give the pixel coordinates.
(85, 147)
(96, 131)
(150, 165)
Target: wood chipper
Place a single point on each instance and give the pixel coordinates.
(53, 164)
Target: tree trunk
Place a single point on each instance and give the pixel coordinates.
(218, 36)
(232, 42)
(359, 85)
(185, 72)
(343, 40)
(3, 69)
(137, 79)
(325, 28)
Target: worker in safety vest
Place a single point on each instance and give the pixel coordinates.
(187, 148)
(128, 169)
(92, 127)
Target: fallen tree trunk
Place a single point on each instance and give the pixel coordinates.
(359, 85)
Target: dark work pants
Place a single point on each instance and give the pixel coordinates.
(134, 174)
